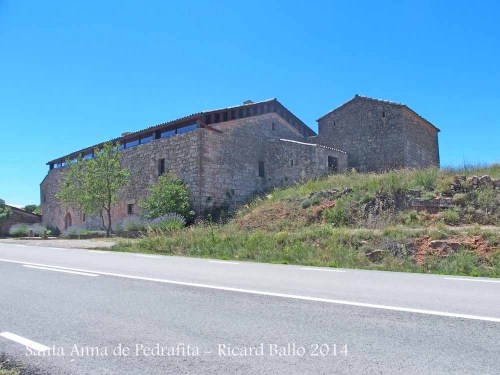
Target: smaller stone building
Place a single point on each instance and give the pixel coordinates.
(380, 135)
(18, 216)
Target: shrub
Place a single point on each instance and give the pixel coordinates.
(19, 230)
(338, 215)
(426, 178)
(166, 223)
(168, 194)
(131, 224)
(451, 216)
(53, 231)
(38, 229)
(77, 231)
(5, 211)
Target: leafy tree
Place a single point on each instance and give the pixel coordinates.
(33, 208)
(169, 194)
(93, 185)
(5, 211)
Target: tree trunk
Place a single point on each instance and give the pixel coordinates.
(108, 228)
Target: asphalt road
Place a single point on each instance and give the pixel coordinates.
(92, 312)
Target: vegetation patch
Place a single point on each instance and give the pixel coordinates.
(404, 220)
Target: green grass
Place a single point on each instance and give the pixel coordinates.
(280, 228)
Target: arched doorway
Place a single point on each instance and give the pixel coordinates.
(67, 221)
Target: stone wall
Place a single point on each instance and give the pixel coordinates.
(231, 156)
(421, 142)
(290, 162)
(379, 135)
(17, 217)
(220, 165)
(182, 157)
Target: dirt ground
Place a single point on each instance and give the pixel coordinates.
(63, 243)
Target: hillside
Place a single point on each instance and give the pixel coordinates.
(438, 221)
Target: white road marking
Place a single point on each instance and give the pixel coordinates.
(321, 269)
(148, 256)
(60, 270)
(222, 262)
(273, 294)
(476, 280)
(98, 251)
(24, 341)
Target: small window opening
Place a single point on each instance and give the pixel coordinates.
(273, 126)
(161, 167)
(383, 114)
(291, 163)
(261, 169)
(130, 209)
(332, 164)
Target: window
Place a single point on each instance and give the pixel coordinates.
(88, 156)
(132, 143)
(383, 114)
(332, 164)
(273, 126)
(130, 209)
(291, 163)
(161, 167)
(83, 217)
(186, 128)
(261, 169)
(216, 117)
(167, 133)
(147, 139)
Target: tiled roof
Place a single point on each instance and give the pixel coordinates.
(192, 117)
(381, 101)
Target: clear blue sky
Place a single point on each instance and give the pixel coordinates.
(76, 73)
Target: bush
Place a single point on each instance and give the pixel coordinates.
(53, 231)
(169, 194)
(338, 215)
(23, 230)
(451, 217)
(77, 231)
(426, 178)
(131, 224)
(19, 230)
(166, 223)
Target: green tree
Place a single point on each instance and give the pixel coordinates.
(5, 211)
(93, 186)
(33, 208)
(168, 194)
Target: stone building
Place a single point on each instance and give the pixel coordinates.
(380, 135)
(227, 155)
(224, 156)
(18, 216)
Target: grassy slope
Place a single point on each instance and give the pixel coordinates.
(288, 226)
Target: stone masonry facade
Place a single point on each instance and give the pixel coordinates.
(226, 156)
(380, 135)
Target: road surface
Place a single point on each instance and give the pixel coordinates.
(71, 311)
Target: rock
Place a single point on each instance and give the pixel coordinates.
(474, 180)
(414, 193)
(444, 245)
(485, 181)
(376, 255)
(496, 183)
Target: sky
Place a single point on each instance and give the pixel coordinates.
(75, 73)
